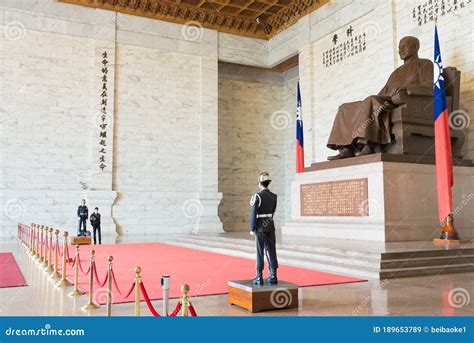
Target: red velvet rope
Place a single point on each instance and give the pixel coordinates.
(117, 287)
(82, 270)
(97, 277)
(73, 262)
(68, 259)
(176, 310)
(192, 311)
(148, 302)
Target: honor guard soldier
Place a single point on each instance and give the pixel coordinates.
(82, 214)
(263, 206)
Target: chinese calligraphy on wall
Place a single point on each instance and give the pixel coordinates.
(341, 50)
(429, 10)
(103, 113)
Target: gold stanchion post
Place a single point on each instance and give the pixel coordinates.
(76, 291)
(41, 257)
(55, 273)
(109, 287)
(37, 255)
(33, 242)
(46, 248)
(185, 300)
(30, 243)
(63, 283)
(138, 270)
(91, 305)
(49, 268)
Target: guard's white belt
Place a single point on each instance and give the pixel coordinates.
(264, 215)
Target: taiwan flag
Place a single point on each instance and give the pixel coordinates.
(443, 152)
(299, 134)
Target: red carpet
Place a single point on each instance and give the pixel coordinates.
(206, 273)
(10, 273)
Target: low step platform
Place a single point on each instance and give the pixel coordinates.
(83, 240)
(257, 298)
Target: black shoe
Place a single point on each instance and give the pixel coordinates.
(344, 152)
(258, 280)
(272, 279)
(366, 150)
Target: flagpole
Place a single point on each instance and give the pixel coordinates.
(449, 235)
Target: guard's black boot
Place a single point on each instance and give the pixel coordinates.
(258, 280)
(272, 280)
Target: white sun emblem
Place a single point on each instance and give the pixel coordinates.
(438, 72)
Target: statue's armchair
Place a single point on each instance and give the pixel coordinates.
(412, 122)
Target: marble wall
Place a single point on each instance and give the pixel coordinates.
(182, 132)
(256, 133)
(161, 153)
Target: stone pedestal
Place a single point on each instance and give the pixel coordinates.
(256, 298)
(400, 203)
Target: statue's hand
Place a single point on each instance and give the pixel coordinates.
(398, 97)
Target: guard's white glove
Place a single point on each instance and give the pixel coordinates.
(252, 233)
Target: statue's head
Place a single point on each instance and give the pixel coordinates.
(408, 47)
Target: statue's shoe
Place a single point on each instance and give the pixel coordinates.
(366, 150)
(343, 153)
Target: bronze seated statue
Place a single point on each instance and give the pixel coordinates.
(399, 119)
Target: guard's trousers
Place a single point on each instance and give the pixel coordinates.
(265, 240)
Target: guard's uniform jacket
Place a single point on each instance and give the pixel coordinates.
(263, 209)
(83, 212)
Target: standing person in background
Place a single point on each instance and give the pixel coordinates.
(95, 222)
(82, 214)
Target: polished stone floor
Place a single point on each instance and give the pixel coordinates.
(448, 294)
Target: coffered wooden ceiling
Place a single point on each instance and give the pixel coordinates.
(252, 18)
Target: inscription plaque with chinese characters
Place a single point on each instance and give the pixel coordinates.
(335, 198)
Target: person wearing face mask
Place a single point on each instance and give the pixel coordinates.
(95, 222)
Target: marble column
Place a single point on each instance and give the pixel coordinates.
(209, 196)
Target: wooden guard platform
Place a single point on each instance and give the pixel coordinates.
(254, 298)
(86, 240)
